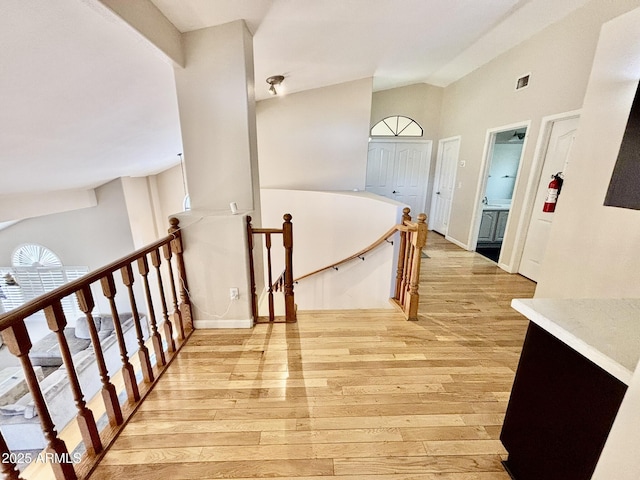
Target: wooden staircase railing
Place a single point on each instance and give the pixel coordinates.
(413, 238)
(176, 326)
(285, 280)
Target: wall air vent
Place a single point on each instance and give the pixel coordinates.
(523, 82)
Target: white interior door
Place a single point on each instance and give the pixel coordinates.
(400, 171)
(444, 185)
(380, 162)
(560, 142)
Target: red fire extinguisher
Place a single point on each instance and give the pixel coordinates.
(555, 185)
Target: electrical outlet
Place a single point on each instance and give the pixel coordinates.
(234, 293)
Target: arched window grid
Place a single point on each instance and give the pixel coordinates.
(397, 126)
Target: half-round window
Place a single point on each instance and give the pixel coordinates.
(34, 255)
(396, 126)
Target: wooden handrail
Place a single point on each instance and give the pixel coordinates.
(413, 237)
(38, 303)
(364, 251)
(166, 254)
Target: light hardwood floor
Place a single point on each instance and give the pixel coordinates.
(342, 395)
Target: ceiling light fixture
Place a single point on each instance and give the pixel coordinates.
(274, 81)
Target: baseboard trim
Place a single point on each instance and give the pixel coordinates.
(223, 323)
(456, 242)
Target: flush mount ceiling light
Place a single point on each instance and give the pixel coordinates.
(274, 81)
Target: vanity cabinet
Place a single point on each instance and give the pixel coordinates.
(492, 226)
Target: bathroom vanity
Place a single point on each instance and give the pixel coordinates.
(493, 224)
(577, 360)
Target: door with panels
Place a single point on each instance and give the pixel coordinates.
(563, 133)
(400, 170)
(445, 178)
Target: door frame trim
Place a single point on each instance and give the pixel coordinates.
(540, 152)
(482, 185)
(436, 184)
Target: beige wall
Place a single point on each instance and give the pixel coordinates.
(559, 60)
(170, 196)
(420, 102)
(315, 140)
(151, 201)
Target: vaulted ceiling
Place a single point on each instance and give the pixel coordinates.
(84, 99)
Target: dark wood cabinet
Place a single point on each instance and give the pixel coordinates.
(560, 412)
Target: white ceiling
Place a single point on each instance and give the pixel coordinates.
(84, 100)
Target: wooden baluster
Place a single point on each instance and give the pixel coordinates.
(401, 253)
(18, 342)
(8, 467)
(269, 279)
(287, 240)
(252, 271)
(109, 394)
(128, 374)
(57, 321)
(177, 318)
(419, 241)
(178, 249)
(407, 265)
(143, 351)
(156, 339)
(168, 330)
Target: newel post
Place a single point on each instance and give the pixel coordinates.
(287, 239)
(419, 240)
(401, 254)
(178, 248)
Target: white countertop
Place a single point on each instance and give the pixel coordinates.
(496, 207)
(606, 331)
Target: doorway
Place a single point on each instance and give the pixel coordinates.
(501, 168)
(399, 170)
(558, 148)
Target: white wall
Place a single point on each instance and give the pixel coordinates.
(559, 59)
(328, 227)
(216, 258)
(315, 140)
(19, 206)
(593, 249)
(91, 237)
(216, 105)
(217, 115)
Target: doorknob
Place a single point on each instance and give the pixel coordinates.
(395, 192)
(437, 193)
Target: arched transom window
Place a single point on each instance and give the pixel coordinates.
(396, 126)
(34, 256)
(35, 271)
